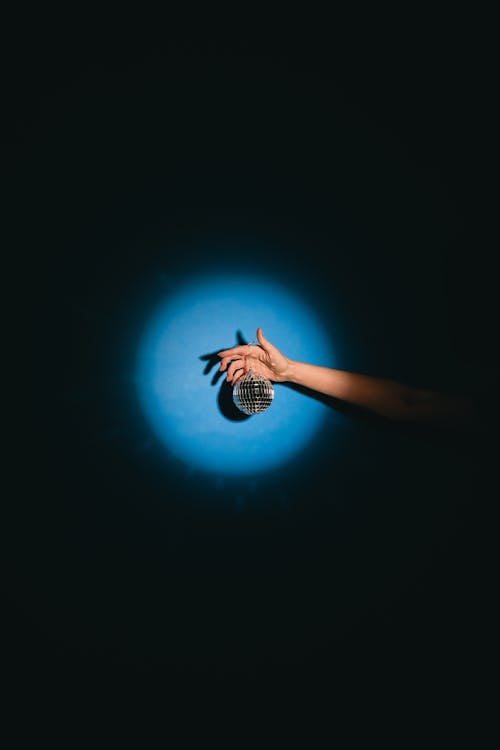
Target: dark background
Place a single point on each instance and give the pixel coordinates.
(363, 153)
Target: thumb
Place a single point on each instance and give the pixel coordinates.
(265, 344)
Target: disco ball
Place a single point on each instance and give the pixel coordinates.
(253, 393)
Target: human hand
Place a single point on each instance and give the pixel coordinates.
(264, 359)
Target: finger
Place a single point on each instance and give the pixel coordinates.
(233, 365)
(237, 377)
(232, 352)
(226, 361)
(236, 367)
(236, 351)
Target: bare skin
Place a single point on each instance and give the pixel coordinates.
(383, 396)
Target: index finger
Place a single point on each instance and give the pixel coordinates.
(236, 351)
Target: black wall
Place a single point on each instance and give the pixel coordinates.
(364, 156)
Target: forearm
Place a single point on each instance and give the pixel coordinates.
(383, 396)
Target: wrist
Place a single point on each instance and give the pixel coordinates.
(289, 373)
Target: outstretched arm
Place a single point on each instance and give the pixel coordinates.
(383, 396)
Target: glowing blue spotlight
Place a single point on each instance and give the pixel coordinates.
(181, 395)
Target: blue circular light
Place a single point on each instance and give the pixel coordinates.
(179, 390)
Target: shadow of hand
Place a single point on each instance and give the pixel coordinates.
(225, 396)
(212, 359)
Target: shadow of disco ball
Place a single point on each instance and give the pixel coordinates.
(253, 393)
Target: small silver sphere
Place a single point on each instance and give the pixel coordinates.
(253, 394)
